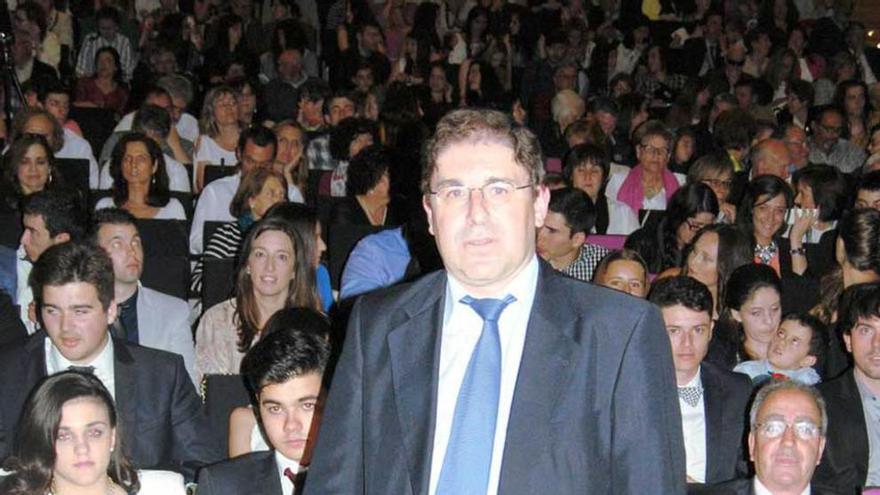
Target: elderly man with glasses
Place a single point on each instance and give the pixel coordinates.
(828, 144)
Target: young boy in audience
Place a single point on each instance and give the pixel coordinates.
(794, 354)
(284, 373)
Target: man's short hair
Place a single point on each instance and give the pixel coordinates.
(860, 301)
(62, 212)
(734, 129)
(483, 126)
(109, 216)
(314, 90)
(803, 91)
(346, 131)
(829, 189)
(653, 128)
(259, 135)
(152, 119)
(576, 207)
(72, 262)
(46, 87)
(869, 182)
(297, 345)
(348, 95)
(821, 110)
(682, 290)
(108, 13)
(366, 169)
(604, 104)
(177, 85)
(56, 137)
(765, 392)
(624, 254)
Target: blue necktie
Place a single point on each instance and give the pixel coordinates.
(468, 457)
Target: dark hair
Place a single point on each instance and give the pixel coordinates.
(117, 75)
(684, 291)
(366, 170)
(687, 202)
(763, 186)
(348, 95)
(859, 230)
(314, 90)
(818, 336)
(828, 187)
(734, 129)
(295, 343)
(250, 186)
(745, 281)
(33, 454)
(72, 262)
(46, 87)
(14, 157)
(158, 194)
(301, 291)
(584, 154)
(260, 135)
(62, 211)
(734, 251)
(224, 24)
(840, 97)
(802, 90)
(859, 301)
(34, 13)
(576, 207)
(346, 131)
(605, 104)
(623, 254)
(152, 118)
(869, 182)
(110, 216)
(55, 139)
(109, 13)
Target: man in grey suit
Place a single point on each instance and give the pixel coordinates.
(498, 375)
(146, 317)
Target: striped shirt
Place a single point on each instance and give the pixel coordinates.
(85, 64)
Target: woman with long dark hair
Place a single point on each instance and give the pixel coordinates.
(28, 167)
(715, 252)
(106, 88)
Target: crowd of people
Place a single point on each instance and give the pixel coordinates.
(440, 247)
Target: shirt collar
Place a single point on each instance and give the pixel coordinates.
(696, 381)
(760, 489)
(103, 362)
(283, 463)
(522, 287)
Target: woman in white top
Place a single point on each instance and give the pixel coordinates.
(140, 183)
(71, 418)
(220, 129)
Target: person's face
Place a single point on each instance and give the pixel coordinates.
(804, 196)
(793, 103)
(796, 41)
(340, 108)
(626, 276)
(655, 63)
(320, 246)
(270, 194)
(359, 142)
(786, 463)
(760, 315)
(33, 171)
(555, 239)
(713, 26)
(607, 122)
(854, 100)
(485, 241)
(58, 104)
(689, 334)
(22, 47)
(743, 97)
(762, 45)
(371, 108)
(475, 78)
(846, 72)
(311, 111)
(688, 229)
(106, 64)
(863, 341)
(866, 198)
(653, 154)
(164, 63)
(36, 238)
(702, 262)
(437, 81)
(83, 444)
(290, 145)
(107, 29)
(255, 156)
(290, 64)
(566, 78)
(76, 321)
(370, 38)
(796, 141)
(271, 263)
(720, 185)
(790, 346)
(556, 52)
(287, 410)
(829, 129)
(137, 164)
(768, 216)
(123, 243)
(588, 177)
(247, 104)
(733, 67)
(39, 124)
(225, 109)
(161, 100)
(684, 149)
(363, 79)
(621, 88)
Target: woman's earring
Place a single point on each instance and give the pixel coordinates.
(50, 178)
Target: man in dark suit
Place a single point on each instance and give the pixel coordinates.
(164, 424)
(713, 401)
(498, 375)
(284, 372)
(853, 416)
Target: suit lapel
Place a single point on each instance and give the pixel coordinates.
(126, 390)
(544, 372)
(857, 428)
(414, 348)
(266, 477)
(713, 405)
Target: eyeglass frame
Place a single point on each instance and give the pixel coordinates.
(759, 428)
(470, 190)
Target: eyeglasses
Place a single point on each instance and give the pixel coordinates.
(774, 428)
(723, 184)
(495, 193)
(647, 148)
(831, 130)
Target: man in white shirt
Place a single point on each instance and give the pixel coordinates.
(498, 375)
(64, 142)
(713, 401)
(284, 370)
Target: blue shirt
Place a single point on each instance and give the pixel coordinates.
(378, 260)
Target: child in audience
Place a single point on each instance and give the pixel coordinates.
(795, 353)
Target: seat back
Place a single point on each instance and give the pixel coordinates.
(96, 124)
(10, 228)
(218, 280)
(166, 256)
(75, 172)
(214, 172)
(223, 393)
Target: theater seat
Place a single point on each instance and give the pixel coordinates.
(166, 256)
(223, 393)
(218, 281)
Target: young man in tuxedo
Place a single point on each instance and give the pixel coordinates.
(713, 401)
(284, 373)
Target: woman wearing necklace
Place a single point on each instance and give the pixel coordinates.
(68, 442)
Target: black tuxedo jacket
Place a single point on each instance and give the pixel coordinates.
(595, 408)
(162, 421)
(845, 460)
(254, 473)
(725, 396)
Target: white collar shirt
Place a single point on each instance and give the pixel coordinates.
(283, 463)
(760, 489)
(693, 427)
(103, 364)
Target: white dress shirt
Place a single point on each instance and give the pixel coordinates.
(461, 330)
(103, 363)
(78, 148)
(693, 427)
(760, 489)
(213, 206)
(24, 296)
(178, 178)
(283, 463)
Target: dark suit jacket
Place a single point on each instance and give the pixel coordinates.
(845, 460)
(163, 423)
(726, 397)
(594, 411)
(255, 473)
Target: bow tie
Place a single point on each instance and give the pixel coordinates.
(691, 395)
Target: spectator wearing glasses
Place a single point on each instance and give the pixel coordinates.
(828, 143)
(716, 171)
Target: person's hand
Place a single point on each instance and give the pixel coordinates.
(506, 40)
(729, 212)
(519, 113)
(805, 219)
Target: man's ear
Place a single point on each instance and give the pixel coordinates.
(578, 240)
(61, 238)
(807, 361)
(426, 204)
(542, 200)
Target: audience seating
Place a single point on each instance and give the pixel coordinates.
(96, 124)
(218, 281)
(166, 258)
(222, 394)
(75, 172)
(214, 172)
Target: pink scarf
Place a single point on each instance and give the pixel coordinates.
(632, 193)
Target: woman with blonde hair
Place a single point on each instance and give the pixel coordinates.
(219, 127)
